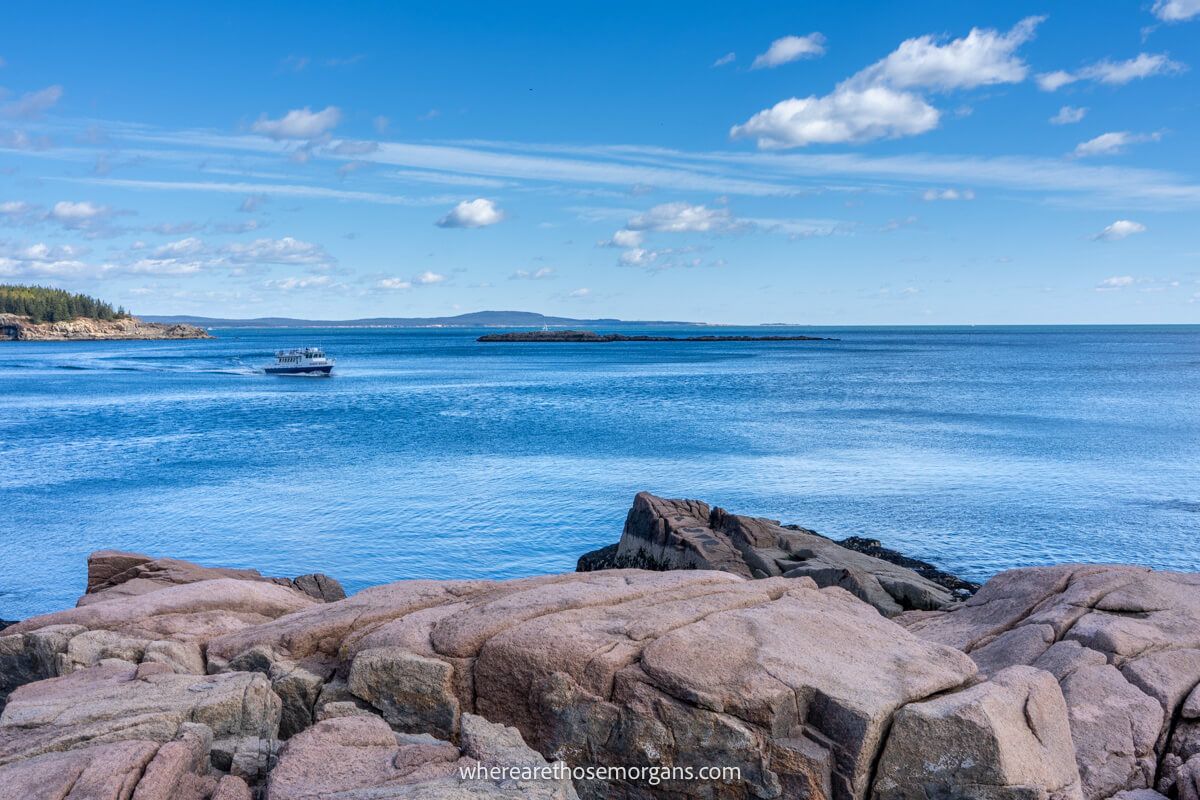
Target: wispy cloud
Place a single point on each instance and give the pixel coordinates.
(1068, 115)
(1114, 73)
(32, 105)
(300, 123)
(787, 49)
(1108, 144)
(1176, 10)
(758, 174)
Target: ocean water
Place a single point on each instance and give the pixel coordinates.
(428, 455)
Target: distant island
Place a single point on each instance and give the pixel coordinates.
(475, 319)
(592, 336)
(42, 314)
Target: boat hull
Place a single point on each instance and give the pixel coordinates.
(324, 369)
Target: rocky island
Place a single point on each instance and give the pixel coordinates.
(798, 668)
(592, 336)
(39, 314)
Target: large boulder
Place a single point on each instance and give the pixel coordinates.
(169, 624)
(1124, 643)
(687, 534)
(137, 769)
(361, 758)
(117, 701)
(1003, 739)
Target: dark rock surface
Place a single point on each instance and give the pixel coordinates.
(875, 548)
(592, 336)
(663, 534)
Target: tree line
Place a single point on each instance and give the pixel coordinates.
(43, 304)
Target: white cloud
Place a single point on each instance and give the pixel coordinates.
(428, 278)
(68, 212)
(477, 213)
(846, 115)
(291, 284)
(883, 100)
(639, 257)
(13, 208)
(787, 49)
(1068, 115)
(47, 252)
(681, 218)
(981, 58)
(948, 194)
(1053, 81)
(1121, 229)
(544, 273)
(300, 123)
(277, 251)
(38, 268)
(190, 246)
(627, 238)
(32, 104)
(728, 58)
(1115, 282)
(1107, 144)
(1113, 73)
(580, 293)
(1176, 10)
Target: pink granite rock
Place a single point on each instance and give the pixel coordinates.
(1123, 641)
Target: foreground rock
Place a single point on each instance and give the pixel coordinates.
(1056, 683)
(360, 758)
(155, 610)
(1124, 644)
(687, 534)
(628, 667)
(24, 329)
(1007, 737)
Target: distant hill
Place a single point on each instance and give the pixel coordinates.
(476, 319)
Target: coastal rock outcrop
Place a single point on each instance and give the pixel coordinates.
(1055, 683)
(140, 609)
(115, 573)
(1124, 644)
(629, 667)
(688, 534)
(82, 328)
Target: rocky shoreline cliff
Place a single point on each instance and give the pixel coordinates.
(805, 672)
(17, 328)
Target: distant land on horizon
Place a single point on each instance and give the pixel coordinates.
(475, 319)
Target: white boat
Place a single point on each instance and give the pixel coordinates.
(301, 361)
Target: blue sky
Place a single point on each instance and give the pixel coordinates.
(831, 163)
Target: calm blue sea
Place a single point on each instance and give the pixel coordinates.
(428, 455)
